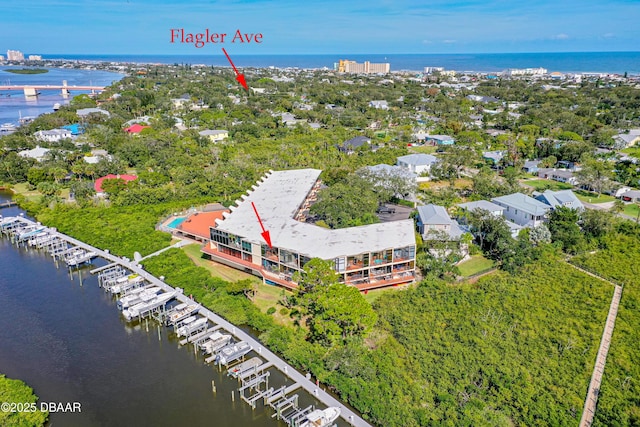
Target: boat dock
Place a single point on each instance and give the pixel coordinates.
(253, 379)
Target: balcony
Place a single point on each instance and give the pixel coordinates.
(382, 281)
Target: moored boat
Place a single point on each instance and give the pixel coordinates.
(321, 417)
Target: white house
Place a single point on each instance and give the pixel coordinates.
(53, 135)
(382, 105)
(37, 153)
(560, 198)
(522, 209)
(492, 208)
(417, 163)
(215, 135)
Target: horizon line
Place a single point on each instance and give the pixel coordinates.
(339, 54)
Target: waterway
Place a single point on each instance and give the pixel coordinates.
(13, 104)
(68, 341)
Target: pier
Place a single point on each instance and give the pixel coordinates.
(8, 204)
(252, 380)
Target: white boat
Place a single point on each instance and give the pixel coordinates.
(7, 127)
(144, 307)
(186, 330)
(143, 296)
(233, 352)
(129, 282)
(81, 258)
(181, 312)
(215, 343)
(321, 418)
(245, 367)
(56, 106)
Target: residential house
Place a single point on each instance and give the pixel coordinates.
(181, 102)
(439, 140)
(559, 198)
(37, 153)
(75, 129)
(493, 157)
(492, 209)
(522, 209)
(433, 218)
(52, 135)
(96, 156)
(417, 163)
(136, 129)
(560, 175)
(351, 145)
(85, 112)
(382, 105)
(214, 135)
(631, 196)
(531, 166)
(626, 140)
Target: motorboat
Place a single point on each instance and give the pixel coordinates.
(233, 352)
(321, 417)
(215, 342)
(143, 295)
(190, 328)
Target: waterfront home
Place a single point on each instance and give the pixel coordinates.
(559, 198)
(417, 163)
(52, 135)
(522, 209)
(136, 129)
(214, 135)
(37, 153)
(367, 257)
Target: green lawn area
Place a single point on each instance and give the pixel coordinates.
(426, 149)
(476, 264)
(268, 296)
(632, 151)
(544, 184)
(216, 269)
(631, 209)
(586, 196)
(374, 294)
(30, 195)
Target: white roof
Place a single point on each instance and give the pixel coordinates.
(35, 153)
(213, 132)
(277, 199)
(481, 204)
(523, 202)
(86, 111)
(418, 159)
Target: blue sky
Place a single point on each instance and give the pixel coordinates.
(334, 26)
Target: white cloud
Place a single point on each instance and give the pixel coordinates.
(448, 41)
(608, 35)
(426, 42)
(561, 36)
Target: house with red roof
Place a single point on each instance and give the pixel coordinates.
(98, 184)
(136, 128)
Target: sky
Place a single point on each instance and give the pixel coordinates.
(320, 27)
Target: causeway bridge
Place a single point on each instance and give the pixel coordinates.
(32, 90)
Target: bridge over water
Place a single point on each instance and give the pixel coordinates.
(32, 90)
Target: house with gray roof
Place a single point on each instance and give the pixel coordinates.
(522, 209)
(626, 140)
(631, 196)
(215, 135)
(84, 112)
(485, 205)
(351, 145)
(493, 157)
(379, 104)
(433, 218)
(559, 198)
(37, 153)
(52, 135)
(417, 163)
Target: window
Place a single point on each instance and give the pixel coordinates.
(246, 246)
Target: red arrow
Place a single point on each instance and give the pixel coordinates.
(239, 76)
(265, 233)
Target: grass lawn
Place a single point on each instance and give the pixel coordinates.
(631, 209)
(632, 151)
(544, 184)
(268, 296)
(586, 196)
(476, 264)
(437, 185)
(374, 294)
(426, 149)
(31, 195)
(216, 269)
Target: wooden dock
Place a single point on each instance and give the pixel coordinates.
(300, 381)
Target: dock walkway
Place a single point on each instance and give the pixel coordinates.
(300, 380)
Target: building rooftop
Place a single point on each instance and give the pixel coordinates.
(277, 198)
(481, 204)
(523, 202)
(418, 159)
(560, 198)
(98, 184)
(199, 223)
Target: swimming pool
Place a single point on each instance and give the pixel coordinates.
(176, 222)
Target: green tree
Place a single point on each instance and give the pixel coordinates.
(346, 204)
(563, 224)
(595, 173)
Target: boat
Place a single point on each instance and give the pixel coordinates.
(81, 258)
(249, 365)
(215, 342)
(321, 417)
(181, 311)
(144, 295)
(144, 307)
(123, 284)
(186, 330)
(233, 352)
(8, 127)
(56, 106)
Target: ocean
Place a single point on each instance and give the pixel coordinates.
(601, 62)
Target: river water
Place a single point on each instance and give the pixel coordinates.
(13, 104)
(68, 341)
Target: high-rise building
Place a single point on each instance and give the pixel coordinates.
(347, 66)
(1, 58)
(15, 55)
(35, 57)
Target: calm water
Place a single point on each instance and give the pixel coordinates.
(605, 62)
(69, 342)
(13, 103)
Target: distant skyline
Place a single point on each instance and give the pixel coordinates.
(327, 27)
